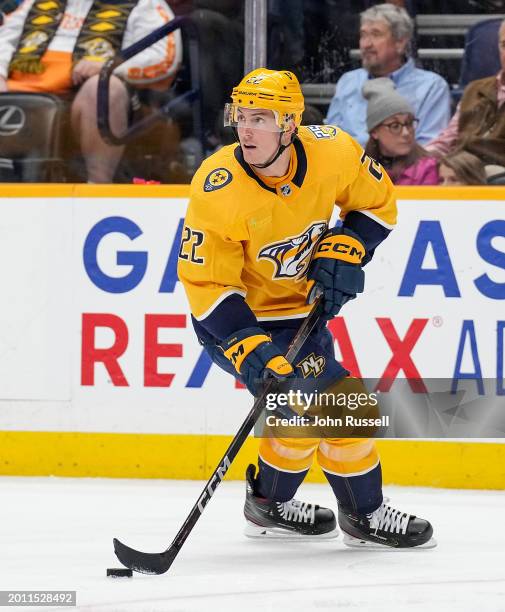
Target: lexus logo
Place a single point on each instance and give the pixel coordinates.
(12, 120)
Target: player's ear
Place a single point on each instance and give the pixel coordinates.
(288, 133)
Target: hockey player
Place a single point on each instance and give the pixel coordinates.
(251, 264)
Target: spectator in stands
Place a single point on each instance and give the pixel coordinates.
(478, 126)
(60, 46)
(391, 124)
(385, 39)
(6, 7)
(461, 168)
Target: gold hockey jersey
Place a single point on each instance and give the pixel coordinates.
(252, 235)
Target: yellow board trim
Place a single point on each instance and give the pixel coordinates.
(450, 193)
(68, 190)
(466, 465)
(83, 190)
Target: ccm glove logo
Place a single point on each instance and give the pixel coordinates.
(255, 357)
(340, 246)
(235, 355)
(240, 348)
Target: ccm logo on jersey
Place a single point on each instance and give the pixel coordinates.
(323, 131)
(218, 178)
(291, 255)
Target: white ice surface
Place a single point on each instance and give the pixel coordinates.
(57, 534)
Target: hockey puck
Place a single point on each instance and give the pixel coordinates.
(119, 572)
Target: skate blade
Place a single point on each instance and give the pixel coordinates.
(353, 542)
(276, 533)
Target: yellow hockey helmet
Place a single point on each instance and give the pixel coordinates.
(275, 90)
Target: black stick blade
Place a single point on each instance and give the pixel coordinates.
(145, 563)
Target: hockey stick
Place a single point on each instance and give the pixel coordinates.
(159, 563)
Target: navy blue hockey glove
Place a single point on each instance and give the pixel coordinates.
(335, 270)
(255, 357)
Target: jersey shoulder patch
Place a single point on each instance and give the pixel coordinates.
(327, 132)
(217, 179)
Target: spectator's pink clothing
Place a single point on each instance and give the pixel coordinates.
(423, 172)
(446, 140)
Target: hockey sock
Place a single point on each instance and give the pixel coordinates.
(361, 494)
(275, 484)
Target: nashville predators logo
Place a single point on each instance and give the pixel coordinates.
(291, 256)
(323, 131)
(217, 179)
(98, 47)
(256, 80)
(312, 365)
(32, 41)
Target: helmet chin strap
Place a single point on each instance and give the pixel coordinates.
(280, 149)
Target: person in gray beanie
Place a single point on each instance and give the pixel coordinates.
(391, 126)
(383, 101)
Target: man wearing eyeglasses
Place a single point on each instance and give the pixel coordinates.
(385, 37)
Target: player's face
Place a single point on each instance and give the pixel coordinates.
(381, 54)
(396, 135)
(258, 134)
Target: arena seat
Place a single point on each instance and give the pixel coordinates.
(30, 137)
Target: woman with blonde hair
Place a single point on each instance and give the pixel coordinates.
(391, 125)
(461, 168)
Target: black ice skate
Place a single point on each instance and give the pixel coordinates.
(385, 527)
(291, 519)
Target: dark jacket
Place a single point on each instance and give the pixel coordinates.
(482, 123)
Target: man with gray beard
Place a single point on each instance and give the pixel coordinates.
(385, 39)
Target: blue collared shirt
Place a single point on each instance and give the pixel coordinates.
(426, 91)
